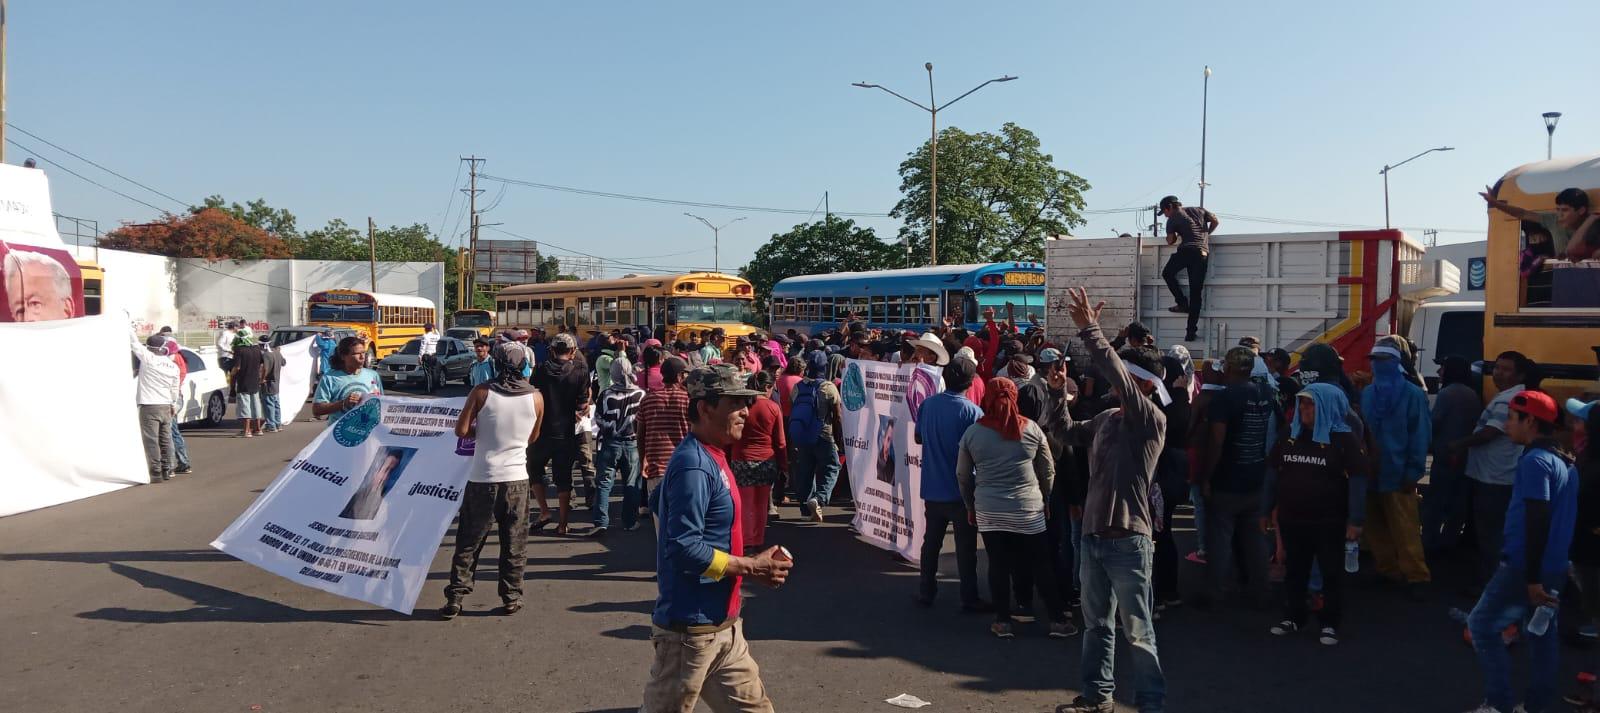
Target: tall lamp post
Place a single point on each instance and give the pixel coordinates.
(1387, 169)
(1550, 119)
(1205, 96)
(933, 110)
(716, 239)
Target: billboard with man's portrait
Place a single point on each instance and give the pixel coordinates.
(39, 284)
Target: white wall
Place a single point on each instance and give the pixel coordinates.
(190, 294)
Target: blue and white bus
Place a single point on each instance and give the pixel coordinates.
(915, 299)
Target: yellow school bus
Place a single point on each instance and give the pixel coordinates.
(479, 319)
(673, 304)
(94, 285)
(1553, 315)
(388, 320)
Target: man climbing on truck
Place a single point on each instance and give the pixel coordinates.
(1190, 229)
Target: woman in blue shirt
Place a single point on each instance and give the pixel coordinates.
(342, 388)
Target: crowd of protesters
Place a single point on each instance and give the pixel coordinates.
(1068, 461)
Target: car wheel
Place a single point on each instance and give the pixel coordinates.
(216, 408)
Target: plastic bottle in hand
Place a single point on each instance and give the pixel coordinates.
(1542, 617)
(1352, 556)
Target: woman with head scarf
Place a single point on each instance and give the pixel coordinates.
(617, 460)
(1005, 472)
(1398, 421)
(650, 372)
(775, 349)
(759, 461)
(1317, 481)
(247, 361)
(501, 418)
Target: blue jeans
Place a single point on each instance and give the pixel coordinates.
(180, 449)
(1074, 535)
(815, 469)
(269, 404)
(1505, 602)
(1116, 579)
(617, 462)
(1198, 501)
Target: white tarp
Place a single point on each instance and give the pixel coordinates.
(885, 460)
(294, 378)
(62, 382)
(25, 215)
(360, 511)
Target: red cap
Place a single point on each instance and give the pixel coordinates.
(1537, 404)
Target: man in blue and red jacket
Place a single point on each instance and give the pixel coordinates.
(700, 649)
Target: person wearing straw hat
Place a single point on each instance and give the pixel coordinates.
(930, 350)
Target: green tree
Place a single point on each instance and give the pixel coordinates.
(278, 222)
(829, 245)
(549, 269)
(999, 196)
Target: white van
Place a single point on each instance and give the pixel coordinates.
(1445, 327)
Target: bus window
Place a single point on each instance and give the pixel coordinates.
(859, 306)
(894, 313)
(611, 310)
(323, 312)
(597, 312)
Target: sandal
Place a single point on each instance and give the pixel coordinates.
(561, 529)
(539, 526)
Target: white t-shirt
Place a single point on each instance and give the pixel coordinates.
(430, 343)
(1495, 462)
(225, 344)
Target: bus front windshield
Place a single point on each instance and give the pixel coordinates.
(1023, 302)
(475, 318)
(714, 311)
(321, 312)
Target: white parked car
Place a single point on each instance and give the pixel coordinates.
(204, 388)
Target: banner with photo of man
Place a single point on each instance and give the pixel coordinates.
(361, 510)
(880, 406)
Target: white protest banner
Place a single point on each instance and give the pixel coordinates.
(25, 213)
(52, 409)
(294, 378)
(880, 401)
(361, 510)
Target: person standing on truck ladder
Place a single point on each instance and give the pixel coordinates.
(1190, 229)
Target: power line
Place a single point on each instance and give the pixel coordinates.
(639, 266)
(1323, 224)
(69, 152)
(85, 178)
(449, 204)
(669, 201)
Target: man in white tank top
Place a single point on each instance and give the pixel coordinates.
(502, 416)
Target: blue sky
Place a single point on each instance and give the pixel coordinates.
(354, 109)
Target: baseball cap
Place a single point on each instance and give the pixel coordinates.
(1049, 355)
(164, 330)
(718, 380)
(156, 341)
(1240, 359)
(1537, 404)
(1170, 202)
(565, 341)
(1581, 409)
(1252, 342)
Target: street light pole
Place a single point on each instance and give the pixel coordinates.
(1205, 96)
(716, 239)
(1387, 169)
(933, 110)
(933, 171)
(1550, 119)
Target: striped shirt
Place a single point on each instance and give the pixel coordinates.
(662, 423)
(618, 406)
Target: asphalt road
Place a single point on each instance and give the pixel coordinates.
(116, 603)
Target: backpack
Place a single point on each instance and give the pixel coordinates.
(805, 413)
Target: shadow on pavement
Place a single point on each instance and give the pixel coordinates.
(113, 557)
(214, 604)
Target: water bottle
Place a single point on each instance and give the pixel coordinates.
(1542, 617)
(1352, 556)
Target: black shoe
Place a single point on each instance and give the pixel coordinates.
(1191, 337)
(1178, 309)
(596, 532)
(185, 470)
(166, 477)
(512, 607)
(450, 611)
(1084, 705)
(922, 601)
(977, 607)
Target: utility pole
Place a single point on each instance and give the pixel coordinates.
(827, 208)
(372, 252)
(473, 162)
(1205, 97)
(933, 171)
(1430, 237)
(3, 83)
